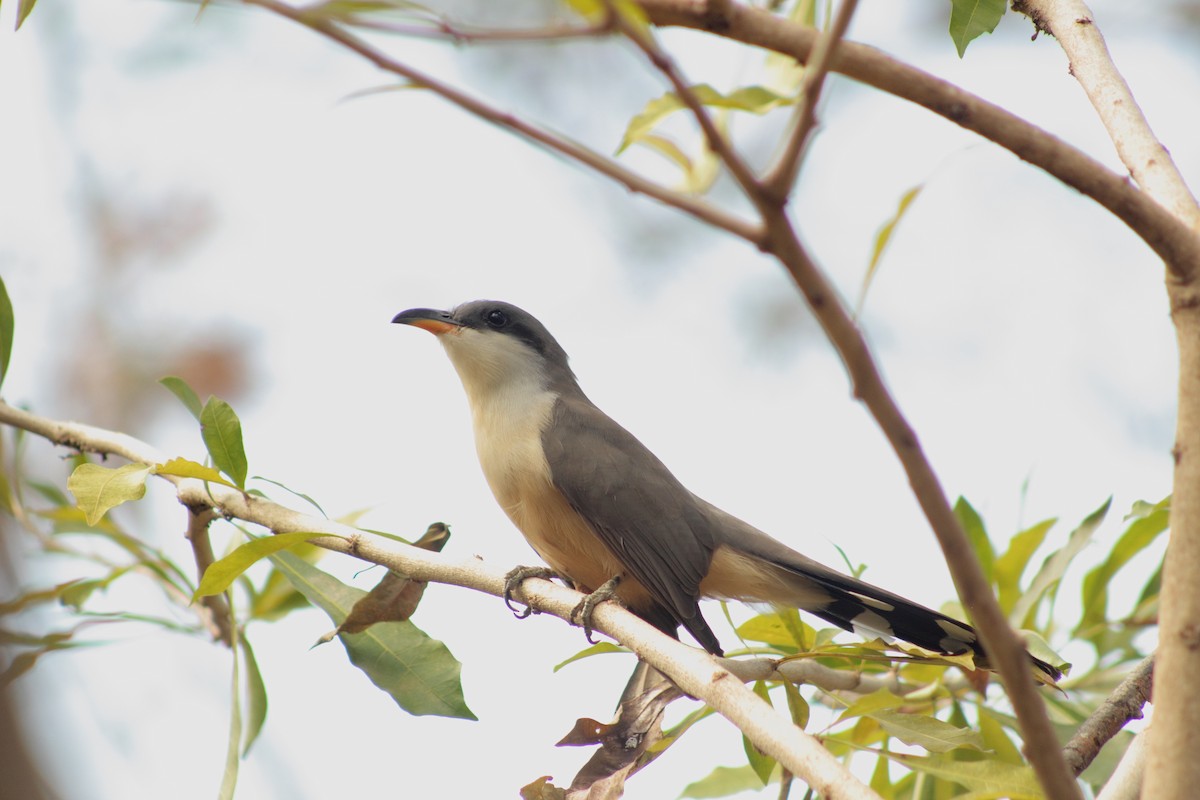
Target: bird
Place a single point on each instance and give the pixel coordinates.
(611, 519)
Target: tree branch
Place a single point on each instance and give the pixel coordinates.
(691, 669)
(199, 518)
(716, 141)
(1005, 649)
(1124, 704)
(1150, 164)
(706, 212)
(779, 180)
(1171, 239)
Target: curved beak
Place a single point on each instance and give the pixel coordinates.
(429, 319)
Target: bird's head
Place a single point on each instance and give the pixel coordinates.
(494, 345)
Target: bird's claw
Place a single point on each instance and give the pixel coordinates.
(582, 614)
(513, 581)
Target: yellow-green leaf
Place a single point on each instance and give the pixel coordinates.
(1010, 566)
(184, 468)
(7, 326)
(98, 489)
(1004, 780)
(598, 648)
(882, 237)
(220, 574)
(929, 732)
(876, 701)
(256, 698)
(753, 99)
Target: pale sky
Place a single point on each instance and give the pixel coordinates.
(1023, 330)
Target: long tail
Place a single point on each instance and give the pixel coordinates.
(858, 606)
(847, 602)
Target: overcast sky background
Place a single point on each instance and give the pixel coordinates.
(1023, 330)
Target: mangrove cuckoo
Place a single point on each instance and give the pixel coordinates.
(606, 514)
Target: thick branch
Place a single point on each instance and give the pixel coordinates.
(1171, 239)
(1150, 164)
(1123, 705)
(693, 670)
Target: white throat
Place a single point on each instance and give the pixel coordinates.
(508, 390)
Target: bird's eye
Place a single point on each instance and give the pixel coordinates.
(497, 318)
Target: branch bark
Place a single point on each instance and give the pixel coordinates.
(1072, 24)
(1123, 705)
(693, 670)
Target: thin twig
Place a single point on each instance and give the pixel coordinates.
(449, 32)
(1123, 705)
(549, 140)
(779, 179)
(662, 61)
(693, 670)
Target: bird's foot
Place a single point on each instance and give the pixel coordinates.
(582, 613)
(513, 581)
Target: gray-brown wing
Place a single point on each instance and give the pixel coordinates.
(635, 505)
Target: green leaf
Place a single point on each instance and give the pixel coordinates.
(185, 468)
(870, 704)
(762, 764)
(753, 99)
(882, 237)
(222, 573)
(1011, 566)
(996, 740)
(797, 705)
(929, 732)
(418, 672)
(1149, 521)
(222, 432)
(180, 388)
(598, 648)
(970, 19)
(232, 760)
(770, 629)
(996, 777)
(1045, 582)
(976, 533)
(98, 489)
(256, 698)
(722, 782)
(7, 321)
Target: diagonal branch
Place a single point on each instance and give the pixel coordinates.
(662, 61)
(1150, 164)
(549, 140)
(1005, 649)
(779, 180)
(1123, 705)
(693, 670)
